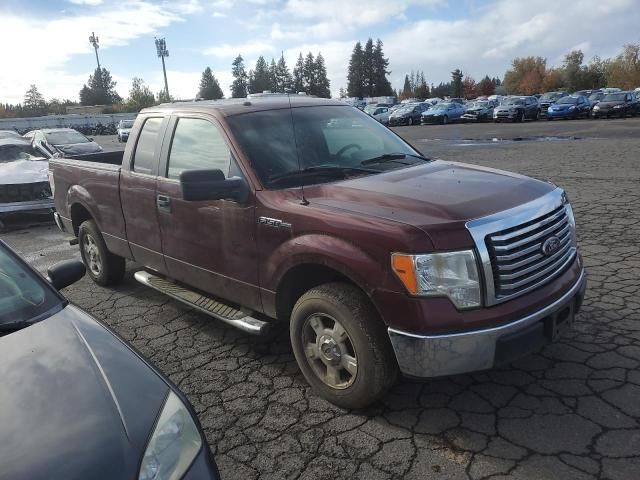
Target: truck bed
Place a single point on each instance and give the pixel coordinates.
(111, 158)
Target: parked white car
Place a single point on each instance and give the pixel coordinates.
(124, 128)
(381, 114)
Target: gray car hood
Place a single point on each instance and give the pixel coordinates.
(75, 402)
(24, 171)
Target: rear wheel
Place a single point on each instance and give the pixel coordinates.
(410, 121)
(341, 345)
(103, 267)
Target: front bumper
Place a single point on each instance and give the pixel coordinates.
(28, 206)
(431, 119)
(561, 113)
(395, 122)
(504, 115)
(451, 354)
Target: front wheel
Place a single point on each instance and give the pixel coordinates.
(341, 345)
(103, 267)
(410, 121)
(445, 120)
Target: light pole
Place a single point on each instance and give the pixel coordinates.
(161, 49)
(93, 40)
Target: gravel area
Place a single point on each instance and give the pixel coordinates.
(571, 411)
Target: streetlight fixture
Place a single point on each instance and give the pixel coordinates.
(93, 40)
(161, 49)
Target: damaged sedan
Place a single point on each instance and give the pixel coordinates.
(24, 181)
(63, 141)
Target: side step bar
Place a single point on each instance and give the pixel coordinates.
(241, 319)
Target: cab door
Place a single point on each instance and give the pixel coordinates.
(138, 193)
(209, 245)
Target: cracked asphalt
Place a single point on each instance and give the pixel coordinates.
(571, 411)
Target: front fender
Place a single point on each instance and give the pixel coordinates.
(321, 249)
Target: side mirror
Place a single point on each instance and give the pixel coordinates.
(199, 185)
(65, 273)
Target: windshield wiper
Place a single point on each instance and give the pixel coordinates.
(324, 170)
(392, 157)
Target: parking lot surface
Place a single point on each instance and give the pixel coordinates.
(571, 411)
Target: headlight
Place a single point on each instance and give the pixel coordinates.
(571, 218)
(450, 274)
(597, 107)
(618, 106)
(572, 107)
(174, 444)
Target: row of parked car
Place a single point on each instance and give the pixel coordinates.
(604, 103)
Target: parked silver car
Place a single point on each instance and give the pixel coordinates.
(24, 180)
(380, 113)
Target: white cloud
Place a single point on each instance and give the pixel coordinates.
(245, 49)
(86, 2)
(65, 37)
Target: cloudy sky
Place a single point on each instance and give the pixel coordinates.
(46, 41)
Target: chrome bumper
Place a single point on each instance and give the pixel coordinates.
(32, 205)
(450, 354)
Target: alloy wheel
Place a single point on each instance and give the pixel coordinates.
(92, 255)
(329, 351)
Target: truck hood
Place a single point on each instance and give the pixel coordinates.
(75, 401)
(433, 197)
(79, 148)
(24, 171)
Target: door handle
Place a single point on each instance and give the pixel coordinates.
(163, 202)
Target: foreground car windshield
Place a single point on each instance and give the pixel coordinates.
(324, 137)
(551, 96)
(568, 100)
(13, 153)
(23, 295)
(613, 97)
(478, 105)
(514, 101)
(65, 138)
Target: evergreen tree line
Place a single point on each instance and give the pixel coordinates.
(309, 76)
(368, 70)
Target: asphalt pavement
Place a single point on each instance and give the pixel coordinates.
(571, 411)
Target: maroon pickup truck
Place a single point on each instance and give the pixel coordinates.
(309, 212)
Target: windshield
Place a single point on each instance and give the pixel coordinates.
(23, 295)
(15, 152)
(514, 101)
(324, 136)
(405, 109)
(370, 109)
(478, 105)
(440, 107)
(551, 96)
(613, 97)
(596, 96)
(66, 137)
(126, 124)
(568, 100)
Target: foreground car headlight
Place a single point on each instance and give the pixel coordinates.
(618, 106)
(572, 107)
(174, 444)
(597, 107)
(450, 274)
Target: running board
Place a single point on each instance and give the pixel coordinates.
(241, 319)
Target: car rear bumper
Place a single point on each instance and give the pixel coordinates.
(31, 205)
(426, 356)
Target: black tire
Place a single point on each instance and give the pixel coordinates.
(537, 117)
(410, 121)
(345, 304)
(103, 267)
(445, 120)
(521, 117)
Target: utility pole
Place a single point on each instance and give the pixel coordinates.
(93, 40)
(161, 49)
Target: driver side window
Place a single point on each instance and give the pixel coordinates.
(197, 144)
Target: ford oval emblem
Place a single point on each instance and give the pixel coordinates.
(550, 246)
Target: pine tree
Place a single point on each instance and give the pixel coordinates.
(100, 89)
(381, 85)
(283, 79)
(34, 101)
(298, 75)
(260, 80)
(321, 81)
(406, 89)
(273, 76)
(239, 85)
(209, 86)
(309, 74)
(355, 74)
(368, 69)
(456, 83)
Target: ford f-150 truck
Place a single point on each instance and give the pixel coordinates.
(309, 212)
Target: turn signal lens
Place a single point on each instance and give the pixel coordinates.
(403, 267)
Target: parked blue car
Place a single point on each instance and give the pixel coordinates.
(572, 106)
(443, 113)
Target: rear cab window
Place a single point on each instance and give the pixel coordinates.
(144, 155)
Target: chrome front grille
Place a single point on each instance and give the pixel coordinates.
(527, 255)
